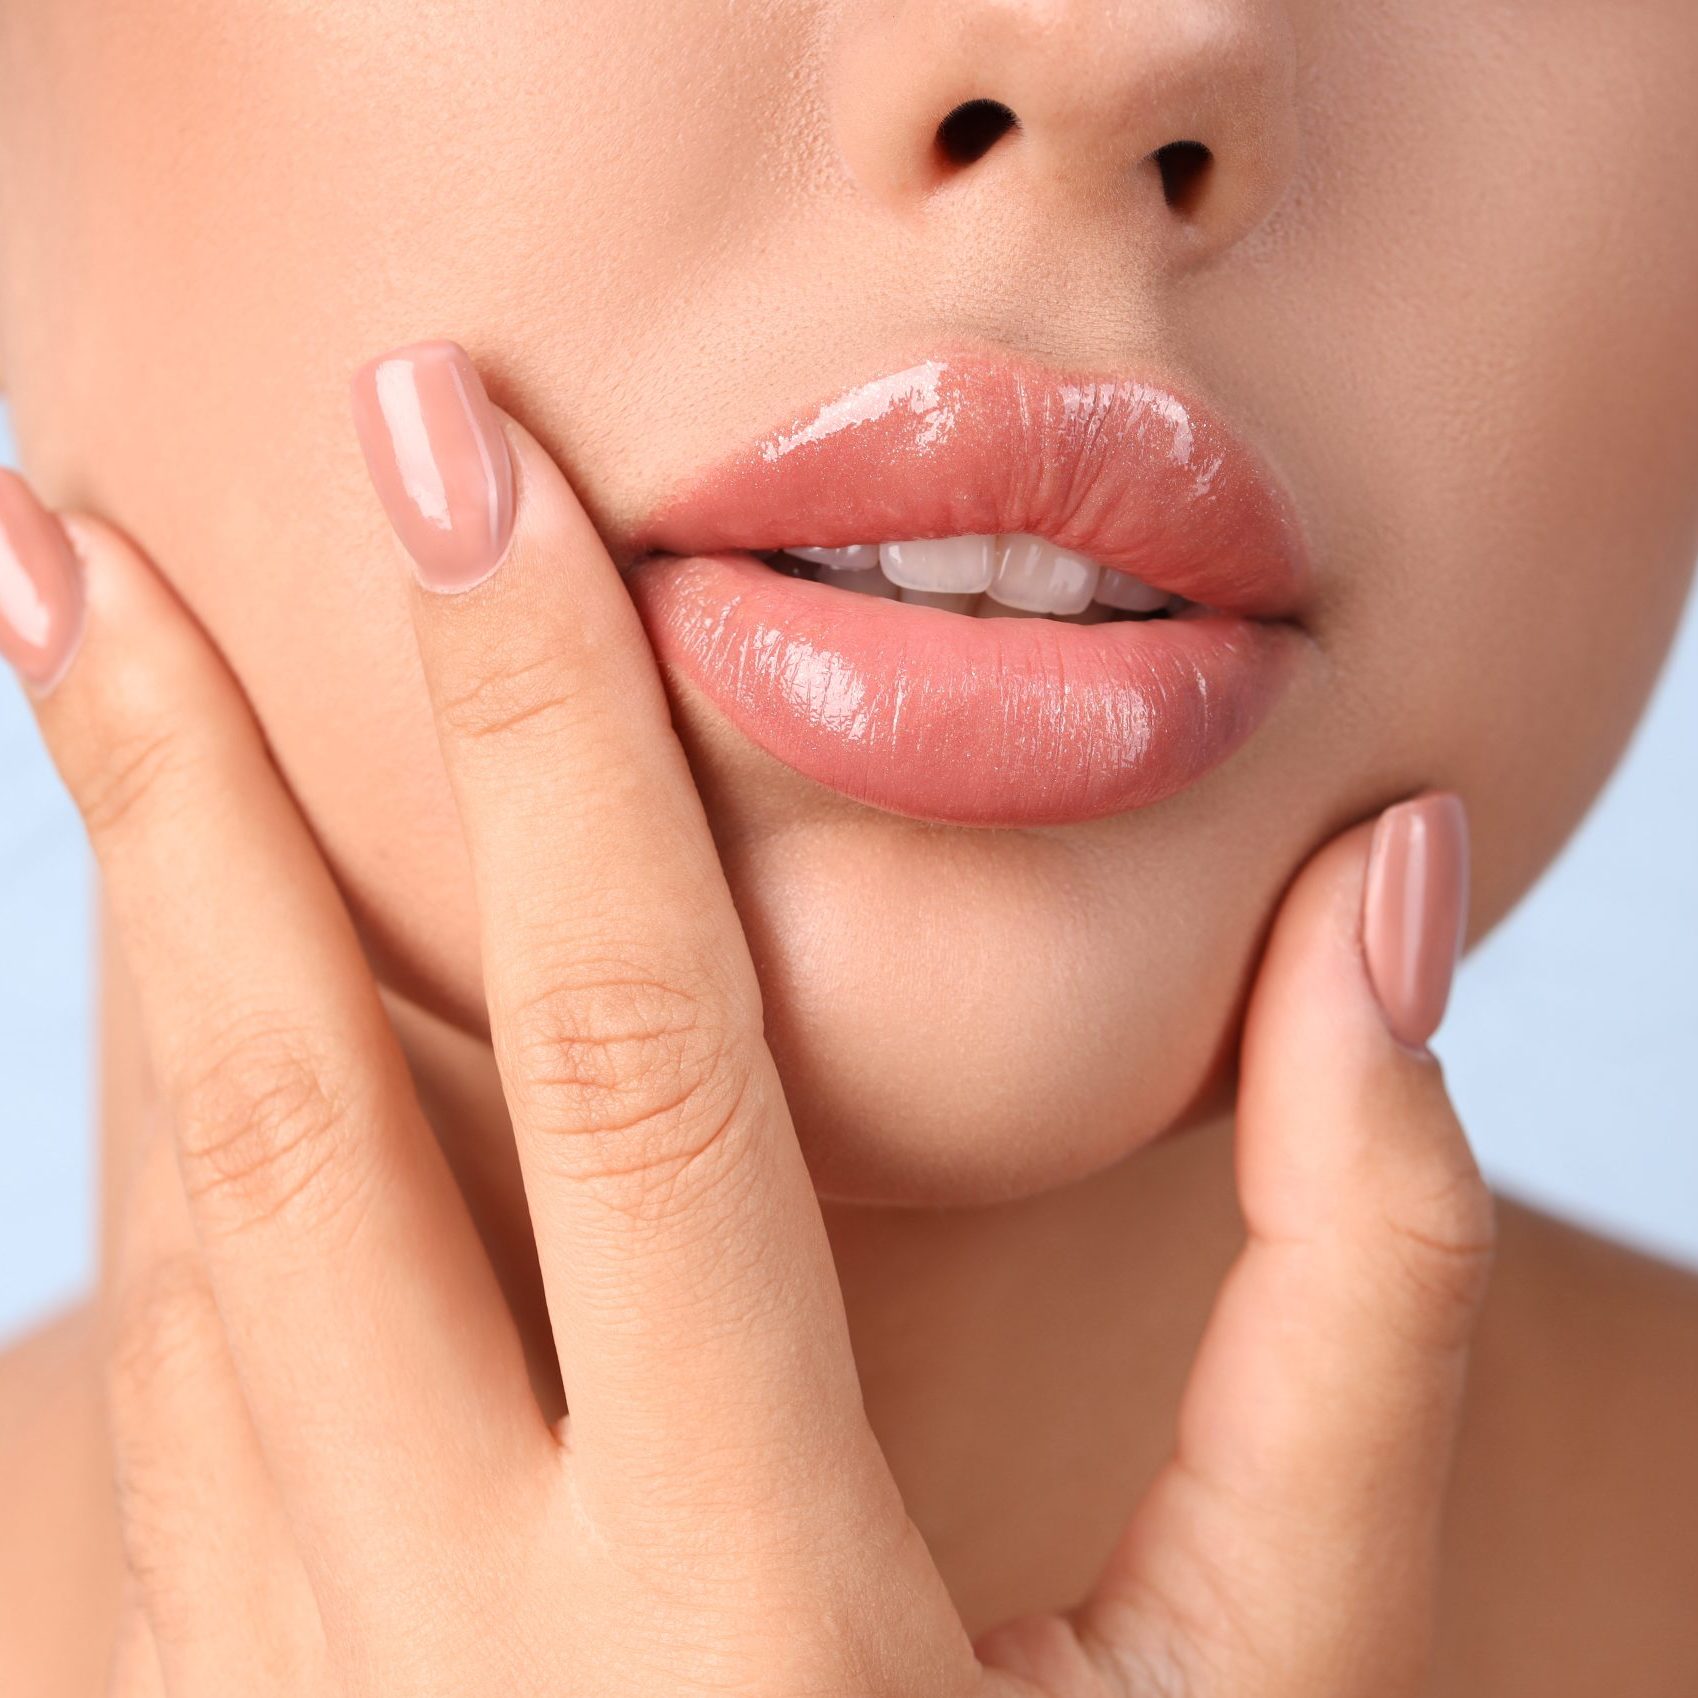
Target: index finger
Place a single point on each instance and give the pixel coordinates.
(690, 1283)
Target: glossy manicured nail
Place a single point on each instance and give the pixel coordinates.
(439, 460)
(1415, 911)
(41, 587)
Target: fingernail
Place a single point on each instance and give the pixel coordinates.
(1415, 911)
(41, 588)
(438, 458)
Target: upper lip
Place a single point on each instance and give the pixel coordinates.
(1126, 471)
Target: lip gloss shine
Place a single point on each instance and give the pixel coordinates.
(986, 722)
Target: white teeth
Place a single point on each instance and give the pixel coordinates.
(858, 557)
(943, 565)
(1037, 577)
(1017, 574)
(1130, 595)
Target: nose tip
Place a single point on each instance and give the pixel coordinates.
(1176, 113)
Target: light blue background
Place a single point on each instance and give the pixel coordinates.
(1569, 1047)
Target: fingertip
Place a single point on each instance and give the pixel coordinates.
(1369, 934)
(1336, 1080)
(1415, 911)
(43, 599)
(437, 455)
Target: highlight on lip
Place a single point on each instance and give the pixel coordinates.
(1010, 722)
(1132, 567)
(1120, 470)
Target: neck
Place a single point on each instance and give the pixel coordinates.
(1021, 1363)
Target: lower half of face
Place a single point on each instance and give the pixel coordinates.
(1429, 271)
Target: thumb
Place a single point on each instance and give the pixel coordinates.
(1291, 1543)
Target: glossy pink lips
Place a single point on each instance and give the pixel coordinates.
(985, 722)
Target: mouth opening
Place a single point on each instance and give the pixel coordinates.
(1017, 576)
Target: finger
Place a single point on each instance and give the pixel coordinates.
(364, 1321)
(212, 1565)
(1297, 1527)
(689, 1280)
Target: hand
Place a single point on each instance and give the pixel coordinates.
(334, 1477)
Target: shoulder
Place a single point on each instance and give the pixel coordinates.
(1574, 1521)
(58, 1550)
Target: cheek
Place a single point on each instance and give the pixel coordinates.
(225, 217)
(1479, 361)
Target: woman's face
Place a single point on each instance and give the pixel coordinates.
(1440, 276)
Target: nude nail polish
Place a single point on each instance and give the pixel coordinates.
(439, 461)
(41, 587)
(1415, 911)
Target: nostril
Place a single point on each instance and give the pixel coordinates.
(1184, 168)
(973, 129)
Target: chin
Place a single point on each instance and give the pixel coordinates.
(964, 1017)
(989, 1097)
(981, 1128)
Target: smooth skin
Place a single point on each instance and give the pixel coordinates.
(1463, 333)
(373, 1501)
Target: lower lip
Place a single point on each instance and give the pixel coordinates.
(990, 722)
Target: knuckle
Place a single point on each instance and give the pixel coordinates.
(630, 1073)
(163, 1329)
(266, 1121)
(137, 769)
(1444, 1238)
(505, 699)
(165, 1336)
